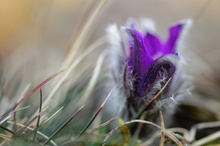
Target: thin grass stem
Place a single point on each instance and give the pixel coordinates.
(63, 125)
(38, 120)
(95, 115)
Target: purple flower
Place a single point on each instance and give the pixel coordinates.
(140, 66)
(147, 68)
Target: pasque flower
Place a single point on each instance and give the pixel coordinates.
(142, 64)
(146, 67)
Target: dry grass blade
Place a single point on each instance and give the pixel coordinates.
(6, 137)
(38, 120)
(3, 143)
(52, 116)
(63, 125)
(150, 141)
(93, 79)
(102, 125)
(5, 119)
(162, 129)
(28, 95)
(43, 123)
(21, 109)
(72, 67)
(135, 136)
(173, 138)
(76, 45)
(95, 115)
(84, 16)
(38, 132)
(183, 131)
(207, 139)
(152, 100)
(192, 132)
(140, 125)
(126, 123)
(31, 121)
(153, 137)
(14, 127)
(162, 132)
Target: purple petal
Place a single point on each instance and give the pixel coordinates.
(153, 44)
(139, 59)
(174, 33)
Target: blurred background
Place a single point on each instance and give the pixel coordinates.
(38, 33)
